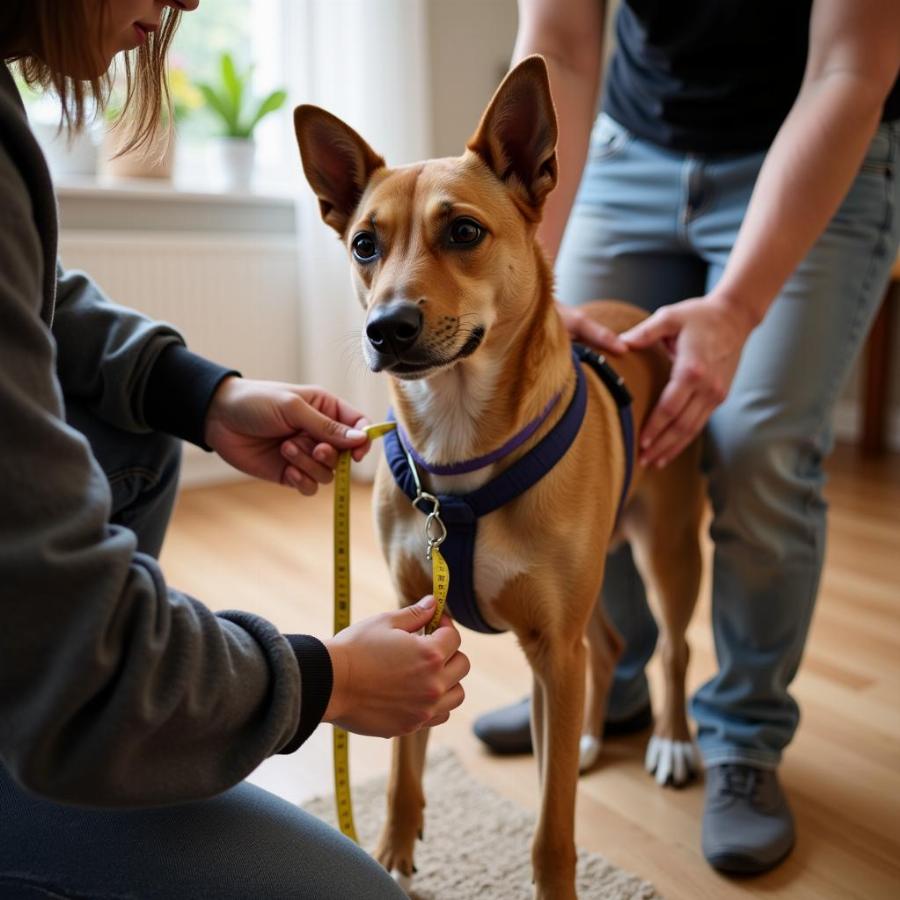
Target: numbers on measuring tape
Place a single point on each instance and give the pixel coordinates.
(340, 738)
(435, 533)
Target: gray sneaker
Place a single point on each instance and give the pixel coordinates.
(747, 824)
(507, 730)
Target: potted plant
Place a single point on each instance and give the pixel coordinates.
(238, 114)
(156, 160)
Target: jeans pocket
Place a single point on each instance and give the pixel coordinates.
(608, 138)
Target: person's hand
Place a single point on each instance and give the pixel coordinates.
(704, 336)
(388, 680)
(585, 330)
(286, 433)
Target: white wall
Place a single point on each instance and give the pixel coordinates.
(470, 45)
(223, 271)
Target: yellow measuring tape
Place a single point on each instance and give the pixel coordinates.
(440, 574)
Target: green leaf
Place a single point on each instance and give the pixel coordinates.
(227, 99)
(274, 101)
(220, 106)
(234, 86)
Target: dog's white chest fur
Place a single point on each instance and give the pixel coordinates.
(453, 404)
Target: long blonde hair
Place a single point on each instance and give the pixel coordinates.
(61, 36)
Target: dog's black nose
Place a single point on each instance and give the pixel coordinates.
(394, 327)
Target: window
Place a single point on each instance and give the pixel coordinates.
(251, 31)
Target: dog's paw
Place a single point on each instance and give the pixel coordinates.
(404, 882)
(588, 752)
(395, 853)
(672, 762)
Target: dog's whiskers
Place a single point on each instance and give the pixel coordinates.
(351, 352)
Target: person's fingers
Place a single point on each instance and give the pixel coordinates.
(323, 453)
(456, 668)
(359, 452)
(683, 429)
(674, 398)
(300, 453)
(583, 328)
(349, 415)
(663, 324)
(344, 412)
(444, 619)
(437, 720)
(302, 416)
(412, 618)
(600, 337)
(710, 392)
(450, 700)
(442, 709)
(296, 479)
(326, 455)
(446, 638)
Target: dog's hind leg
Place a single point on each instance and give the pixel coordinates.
(605, 646)
(667, 553)
(406, 805)
(558, 663)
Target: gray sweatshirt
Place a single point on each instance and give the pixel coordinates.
(115, 689)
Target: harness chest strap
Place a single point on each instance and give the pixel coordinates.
(460, 513)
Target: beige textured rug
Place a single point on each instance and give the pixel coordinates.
(487, 836)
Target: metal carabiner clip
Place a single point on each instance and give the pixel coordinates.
(434, 539)
(424, 495)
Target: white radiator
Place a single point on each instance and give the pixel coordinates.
(234, 298)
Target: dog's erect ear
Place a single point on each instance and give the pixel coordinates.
(517, 133)
(337, 161)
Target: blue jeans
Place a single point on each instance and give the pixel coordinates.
(243, 843)
(654, 226)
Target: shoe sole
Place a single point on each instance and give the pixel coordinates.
(742, 866)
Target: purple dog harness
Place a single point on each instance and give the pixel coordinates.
(460, 513)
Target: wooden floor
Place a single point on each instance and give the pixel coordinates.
(263, 548)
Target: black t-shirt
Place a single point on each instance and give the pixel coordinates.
(710, 76)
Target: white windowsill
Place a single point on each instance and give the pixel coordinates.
(192, 201)
(185, 189)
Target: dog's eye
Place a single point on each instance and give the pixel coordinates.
(364, 247)
(465, 231)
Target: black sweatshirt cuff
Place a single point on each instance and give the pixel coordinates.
(178, 392)
(316, 681)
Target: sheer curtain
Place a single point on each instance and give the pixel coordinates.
(367, 63)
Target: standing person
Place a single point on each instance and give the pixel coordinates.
(130, 713)
(746, 159)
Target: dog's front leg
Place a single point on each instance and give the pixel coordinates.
(559, 666)
(406, 804)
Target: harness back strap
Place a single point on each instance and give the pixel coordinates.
(615, 384)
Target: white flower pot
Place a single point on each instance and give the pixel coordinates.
(236, 159)
(67, 156)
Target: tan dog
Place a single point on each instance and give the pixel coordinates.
(460, 312)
